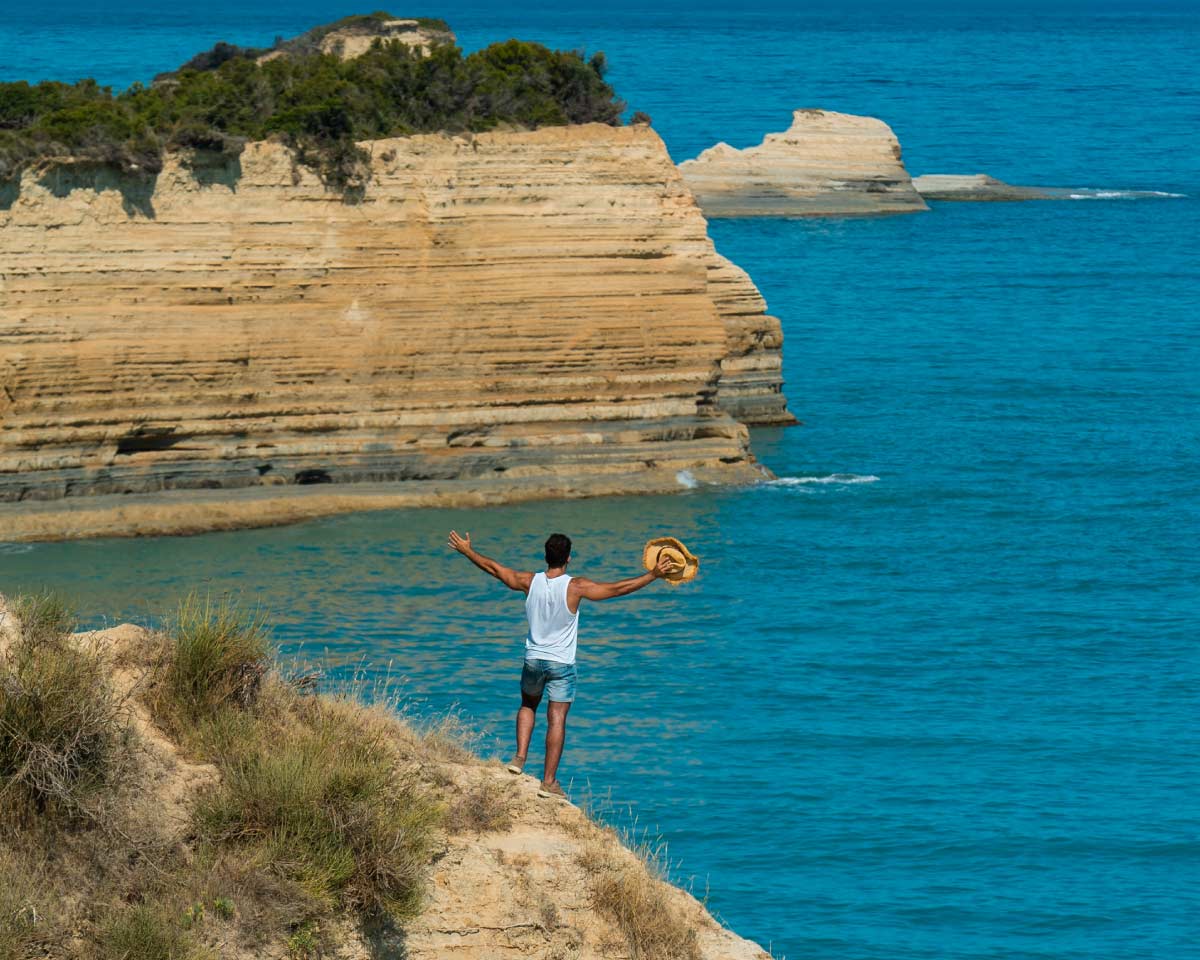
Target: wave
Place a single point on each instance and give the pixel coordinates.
(844, 478)
(685, 479)
(11, 549)
(1086, 194)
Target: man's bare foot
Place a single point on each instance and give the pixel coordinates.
(553, 789)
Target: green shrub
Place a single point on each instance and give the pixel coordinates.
(62, 731)
(215, 656)
(318, 799)
(314, 101)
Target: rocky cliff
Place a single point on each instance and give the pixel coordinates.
(825, 164)
(137, 872)
(496, 316)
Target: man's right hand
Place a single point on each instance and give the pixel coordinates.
(461, 544)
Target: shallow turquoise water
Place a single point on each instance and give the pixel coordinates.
(945, 704)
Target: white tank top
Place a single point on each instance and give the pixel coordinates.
(553, 628)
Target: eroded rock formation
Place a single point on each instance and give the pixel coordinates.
(354, 39)
(825, 164)
(978, 187)
(497, 316)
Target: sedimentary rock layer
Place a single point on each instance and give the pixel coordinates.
(825, 164)
(538, 310)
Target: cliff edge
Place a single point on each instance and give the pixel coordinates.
(168, 795)
(824, 164)
(497, 316)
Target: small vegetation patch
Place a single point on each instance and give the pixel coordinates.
(316, 102)
(634, 894)
(481, 807)
(317, 810)
(147, 932)
(320, 801)
(26, 908)
(215, 657)
(63, 733)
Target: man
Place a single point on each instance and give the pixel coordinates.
(552, 602)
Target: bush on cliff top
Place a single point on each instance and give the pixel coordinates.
(308, 42)
(315, 102)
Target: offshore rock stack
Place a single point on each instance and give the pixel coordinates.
(825, 164)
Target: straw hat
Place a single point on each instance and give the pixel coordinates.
(686, 564)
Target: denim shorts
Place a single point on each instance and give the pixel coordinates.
(557, 679)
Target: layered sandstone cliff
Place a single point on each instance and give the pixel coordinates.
(825, 164)
(497, 316)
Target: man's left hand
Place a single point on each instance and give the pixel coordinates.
(461, 544)
(664, 567)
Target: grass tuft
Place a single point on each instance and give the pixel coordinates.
(215, 657)
(632, 891)
(26, 909)
(62, 730)
(146, 932)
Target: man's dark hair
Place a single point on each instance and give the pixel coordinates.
(558, 549)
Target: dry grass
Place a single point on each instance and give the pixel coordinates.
(64, 735)
(631, 891)
(482, 807)
(149, 931)
(26, 908)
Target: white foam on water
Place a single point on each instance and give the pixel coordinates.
(844, 478)
(685, 479)
(1121, 194)
(11, 549)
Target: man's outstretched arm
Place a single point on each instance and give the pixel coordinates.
(513, 579)
(590, 590)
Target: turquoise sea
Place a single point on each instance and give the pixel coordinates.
(935, 694)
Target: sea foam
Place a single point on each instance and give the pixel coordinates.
(1120, 194)
(843, 478)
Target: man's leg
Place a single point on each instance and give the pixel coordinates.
(526, 716)
(556, 735)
